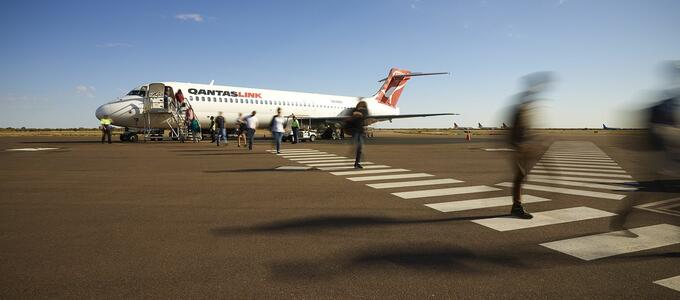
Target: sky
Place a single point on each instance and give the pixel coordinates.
(60, 60)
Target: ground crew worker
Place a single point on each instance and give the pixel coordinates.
(295, 125)
(105, 126)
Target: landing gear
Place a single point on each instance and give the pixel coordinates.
(129, 136)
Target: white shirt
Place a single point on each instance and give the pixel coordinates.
(277, 124)
(251, 122)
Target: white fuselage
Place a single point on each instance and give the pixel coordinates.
(210, 100)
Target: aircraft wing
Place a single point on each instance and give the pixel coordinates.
(372, 118)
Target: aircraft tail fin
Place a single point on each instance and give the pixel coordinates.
(394, 83)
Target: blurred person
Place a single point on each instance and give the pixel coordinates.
(106, 128)
(520, 137)
(221, 129)
(356, 127)
(295, 126)
(195, 129)
(663, 132)
(241, 130)
(212, 129)
(251, 124)
(277, 129)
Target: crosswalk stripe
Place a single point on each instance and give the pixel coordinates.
(359, 172)
(581, 174)
(400, 184)
(352, 167)
(293, 150)
(584, 184)
(577, 169)
(594, 157)
(293, 168)
(445, 192)
(309, 155)
(549, 164)
(600, 180)
(618, 242)
(325, 160)
(576, 152)
(567, 191)
(544, 218)
(301, 153)
(481, 203)
(671, 283)
(318, 158)
(388, 177)
(338, 164)
(565, 160)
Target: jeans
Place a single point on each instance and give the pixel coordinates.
(296, 133)
(222, 134)
(251, 136)
(358, 140)
(106, 132)
(277, 140)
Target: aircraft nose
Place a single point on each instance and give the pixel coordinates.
(104, 110)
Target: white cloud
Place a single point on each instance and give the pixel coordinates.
(114, 45)
(189, 17)
(87, 91)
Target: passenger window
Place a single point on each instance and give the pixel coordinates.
(202, 98)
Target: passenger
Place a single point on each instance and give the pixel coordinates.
(195, 129)
(295, 126)
(179, 96)
(106, 128)
(167, 97)
(221, 129)
(520, 137)
(355, 125)
(212, 129)
(277, 128)
(241, 130)
(251, 124)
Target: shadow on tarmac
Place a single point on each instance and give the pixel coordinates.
(419, 257)
(64, 142)
(321, 223)
(663, 186)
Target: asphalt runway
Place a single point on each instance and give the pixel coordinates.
(171, 220)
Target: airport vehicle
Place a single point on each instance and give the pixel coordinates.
(305, 135)
(156, 106)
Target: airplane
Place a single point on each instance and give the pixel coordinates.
(455, 126)
(479, 126)
(146, 107)
(604, 127)
(505, 126)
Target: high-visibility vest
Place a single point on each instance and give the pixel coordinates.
(105, 121)
(295, 124)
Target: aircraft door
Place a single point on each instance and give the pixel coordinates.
(154, 99)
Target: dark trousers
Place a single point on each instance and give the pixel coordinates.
(520, 175)
(251, 136)
(296, 133)
(106, 133)
(358, 140)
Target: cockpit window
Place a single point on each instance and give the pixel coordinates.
(136, 93)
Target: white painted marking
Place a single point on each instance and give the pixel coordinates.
(589, 157)
(445, 192)
(499, 149)
(671, 283)
(317, 158)
(547, 164)
(308, 156)
(657, 208)
(581, 174)
(544, 218)
(293, 168)
(352, 167)
(584, 184)
(567, 191)
(481, 203)
(600, 180)
(30, 149)
(578, 169)
(618, 242)
(293, 150)
(338, 164)
(302, 153)
(325, 160)
(386, 177)
(359, 172)
(400, 184)
(565, 160)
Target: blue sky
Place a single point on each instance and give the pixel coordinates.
(62, 59)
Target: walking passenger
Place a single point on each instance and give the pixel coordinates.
(195, 129)
(212, 129)
(520, 138)
(251, 124)
(355, 125)
(241, 130)
(221, 129)
(277, 128)
(295, 126)
(106, 128)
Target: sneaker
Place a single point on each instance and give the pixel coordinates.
(358, 166)
(518, 211)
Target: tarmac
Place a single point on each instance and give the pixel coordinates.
(172, 220)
